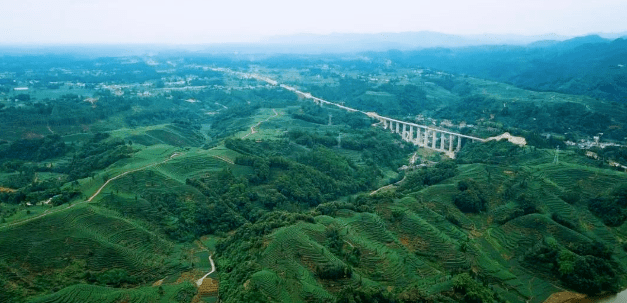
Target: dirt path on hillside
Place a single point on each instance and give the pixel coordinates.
(223, 158)
(252, 128)
(213, 269)
(382, 188)
(128, 172)
(567, 297)
(52, 211)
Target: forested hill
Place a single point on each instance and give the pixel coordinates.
(589, 65)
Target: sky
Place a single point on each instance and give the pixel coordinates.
(227, 21)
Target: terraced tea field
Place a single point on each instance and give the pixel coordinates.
(417, 239)
(92, 293)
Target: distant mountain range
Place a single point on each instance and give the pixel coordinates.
(406, 40)
(593, 65)
(319, 44)
(343, 43)
(589, 65)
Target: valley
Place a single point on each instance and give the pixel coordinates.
(205, 178)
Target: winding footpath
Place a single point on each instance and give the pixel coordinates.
(252, 128)
(213, 269)
(128, 172)
(48, 212)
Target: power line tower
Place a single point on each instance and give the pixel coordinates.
(330, 116)
(556, 157)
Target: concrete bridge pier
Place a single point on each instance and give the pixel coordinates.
(450, 143)
(404, 134)
(424, 136)
(428, 135)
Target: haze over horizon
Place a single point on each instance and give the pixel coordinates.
(198, 22)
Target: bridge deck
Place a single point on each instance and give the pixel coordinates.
(369, 114)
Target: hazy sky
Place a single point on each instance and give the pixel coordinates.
(195, 21)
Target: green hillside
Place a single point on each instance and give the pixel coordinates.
(147, 187)
(414, 238)
(84, 243)
(90, 293)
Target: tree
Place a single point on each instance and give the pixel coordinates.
(471, 290)
(592, 275)
(608, 210)
(469, 201)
